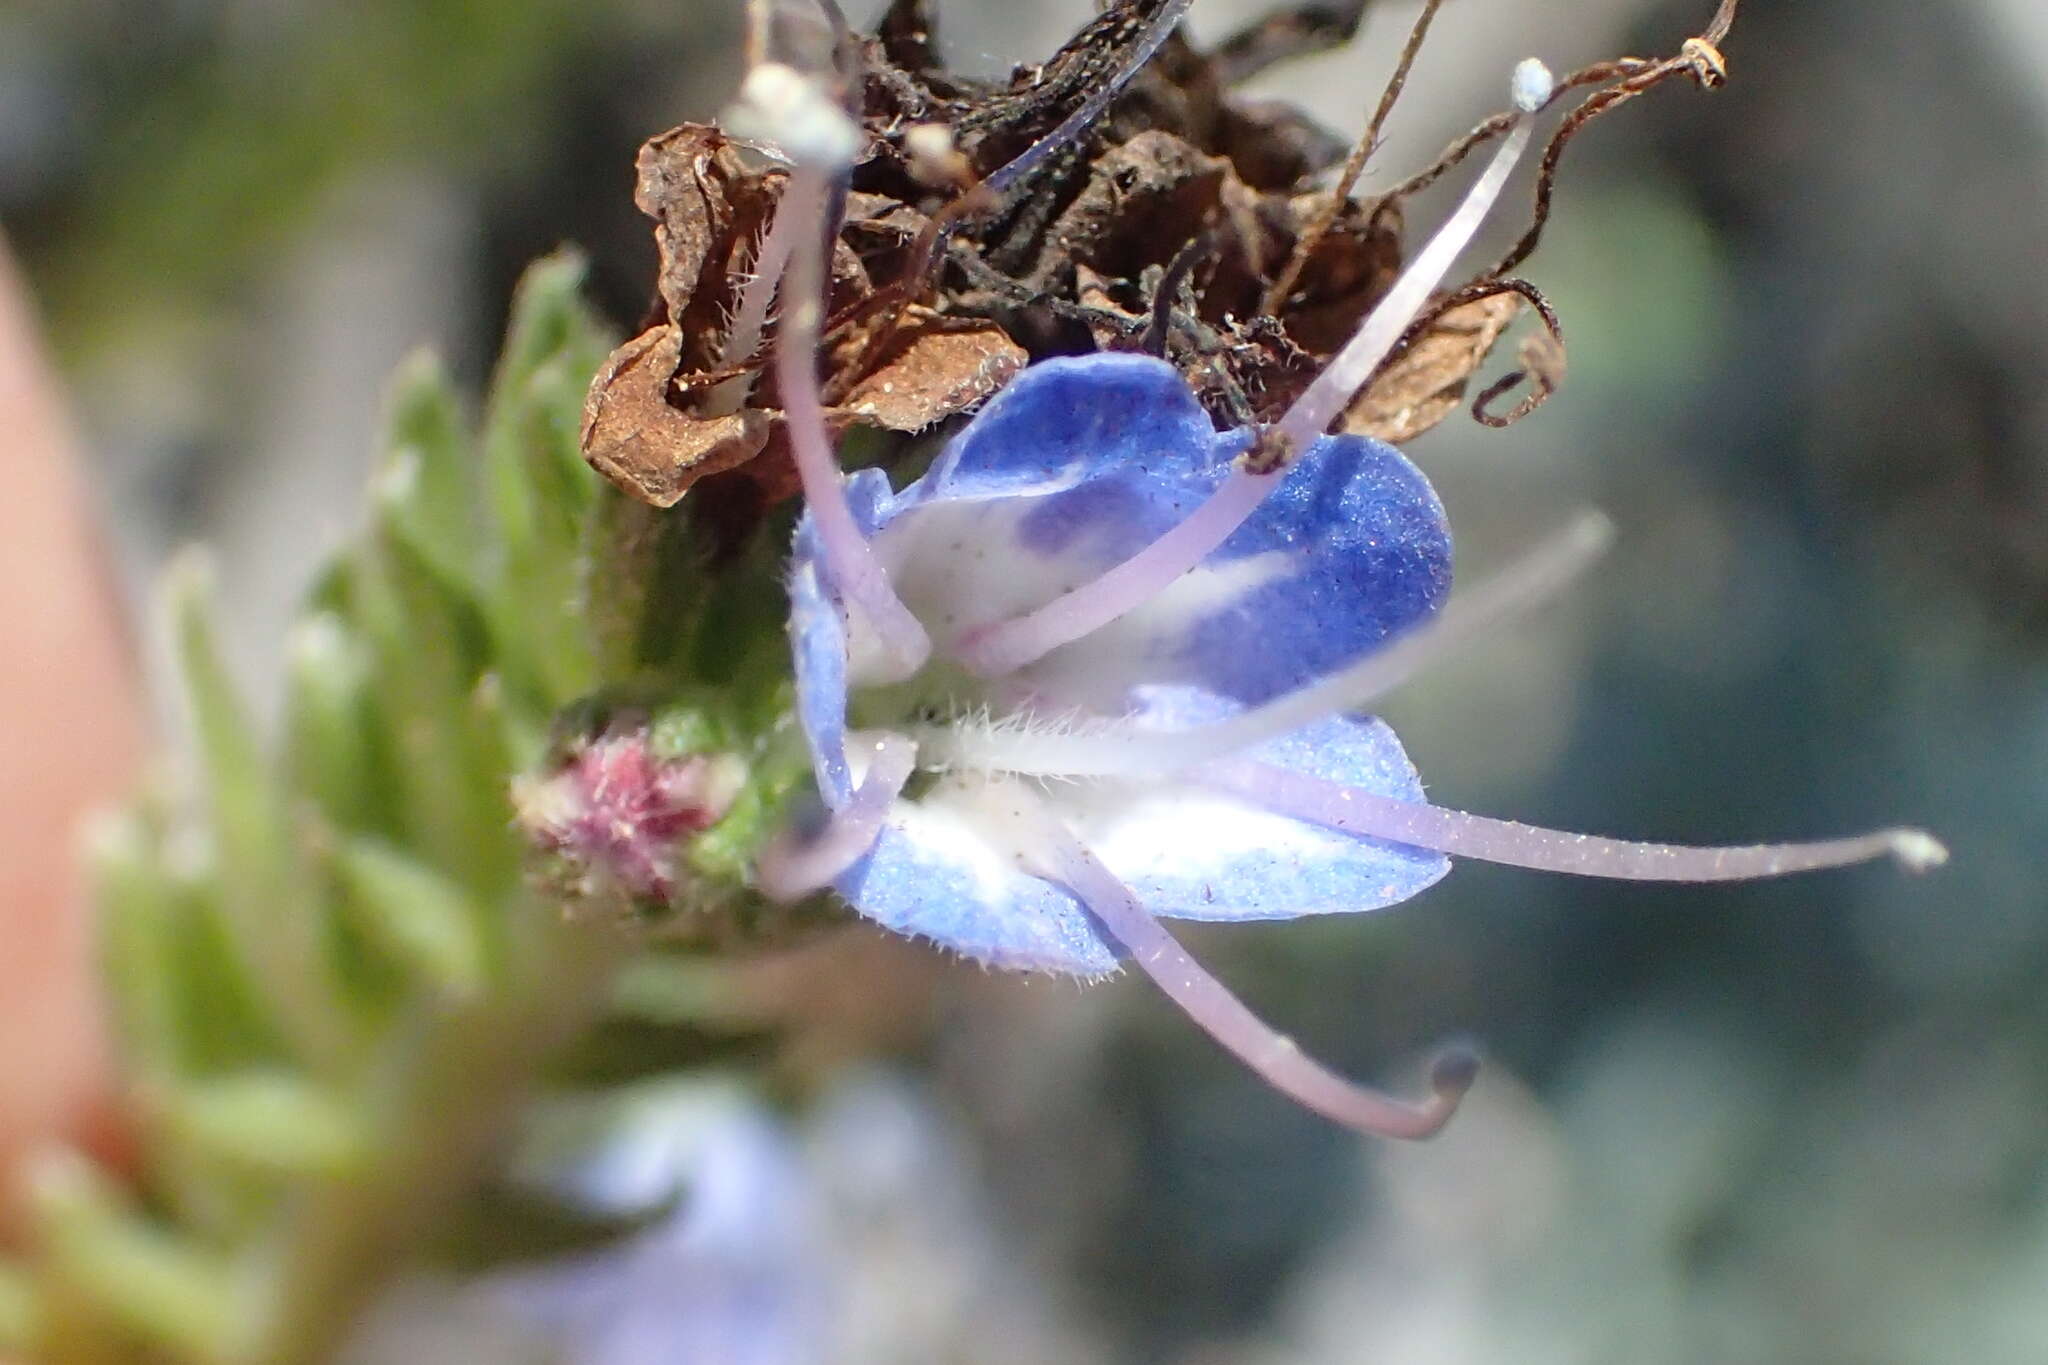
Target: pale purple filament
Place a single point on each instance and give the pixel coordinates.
(1117, 748)
(1347, 372)
(992, 650)
(1547, 850)
(793, 866)
(1276, 1058)
(848, 560)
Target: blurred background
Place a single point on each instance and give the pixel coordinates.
(1808, 324)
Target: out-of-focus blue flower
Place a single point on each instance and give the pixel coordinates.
(857, 1235)
(736, 1275)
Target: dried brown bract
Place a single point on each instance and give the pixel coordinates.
(636, 435)
(688, 398)
(1426, 383)
(987, 225)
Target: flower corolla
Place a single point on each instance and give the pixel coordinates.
(1071, 469)
(1102, 664)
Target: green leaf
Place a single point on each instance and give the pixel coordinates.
(548, 317)
(274, 1121)
(428, 489)
(137, 911)
(105, 1261)
(428, 651)
(335, 740)
(254, 854)
(425, 921)
(541, 492)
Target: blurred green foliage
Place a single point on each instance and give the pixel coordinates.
(229, 127)
(333, 976)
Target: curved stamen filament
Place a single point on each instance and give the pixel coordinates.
(849, 560)
(1118, 748)
(793, 866)
(1273, 1056)
(1547, 850)
(1323, 400)
(1005, 646)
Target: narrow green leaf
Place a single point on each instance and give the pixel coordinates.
(542, 493)
(333, 736)
(273, 1121)
(547, 315)
(137, 910)
(428, 648)
(423, 919)
(107, 1260)
(428, 484)
(226, 1014)
(273, 913)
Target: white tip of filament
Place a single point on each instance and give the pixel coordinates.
(779, 105)
(1531, 86)
(1589, 536)
(1916, 850)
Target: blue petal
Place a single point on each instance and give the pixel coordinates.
(941, 871)
(1063, 423)
(1193, 853)
(1371, 556)
(817, 646)
(817, 639)
(1079, 464)
(936, 874)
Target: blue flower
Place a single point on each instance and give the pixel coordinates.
(734, 1274)
(1101, 664)
(1066, 473)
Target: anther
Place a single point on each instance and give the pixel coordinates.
(1709, 67)
(785, 109)
(1531, 86)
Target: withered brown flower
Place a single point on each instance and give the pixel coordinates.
(1185, 221)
